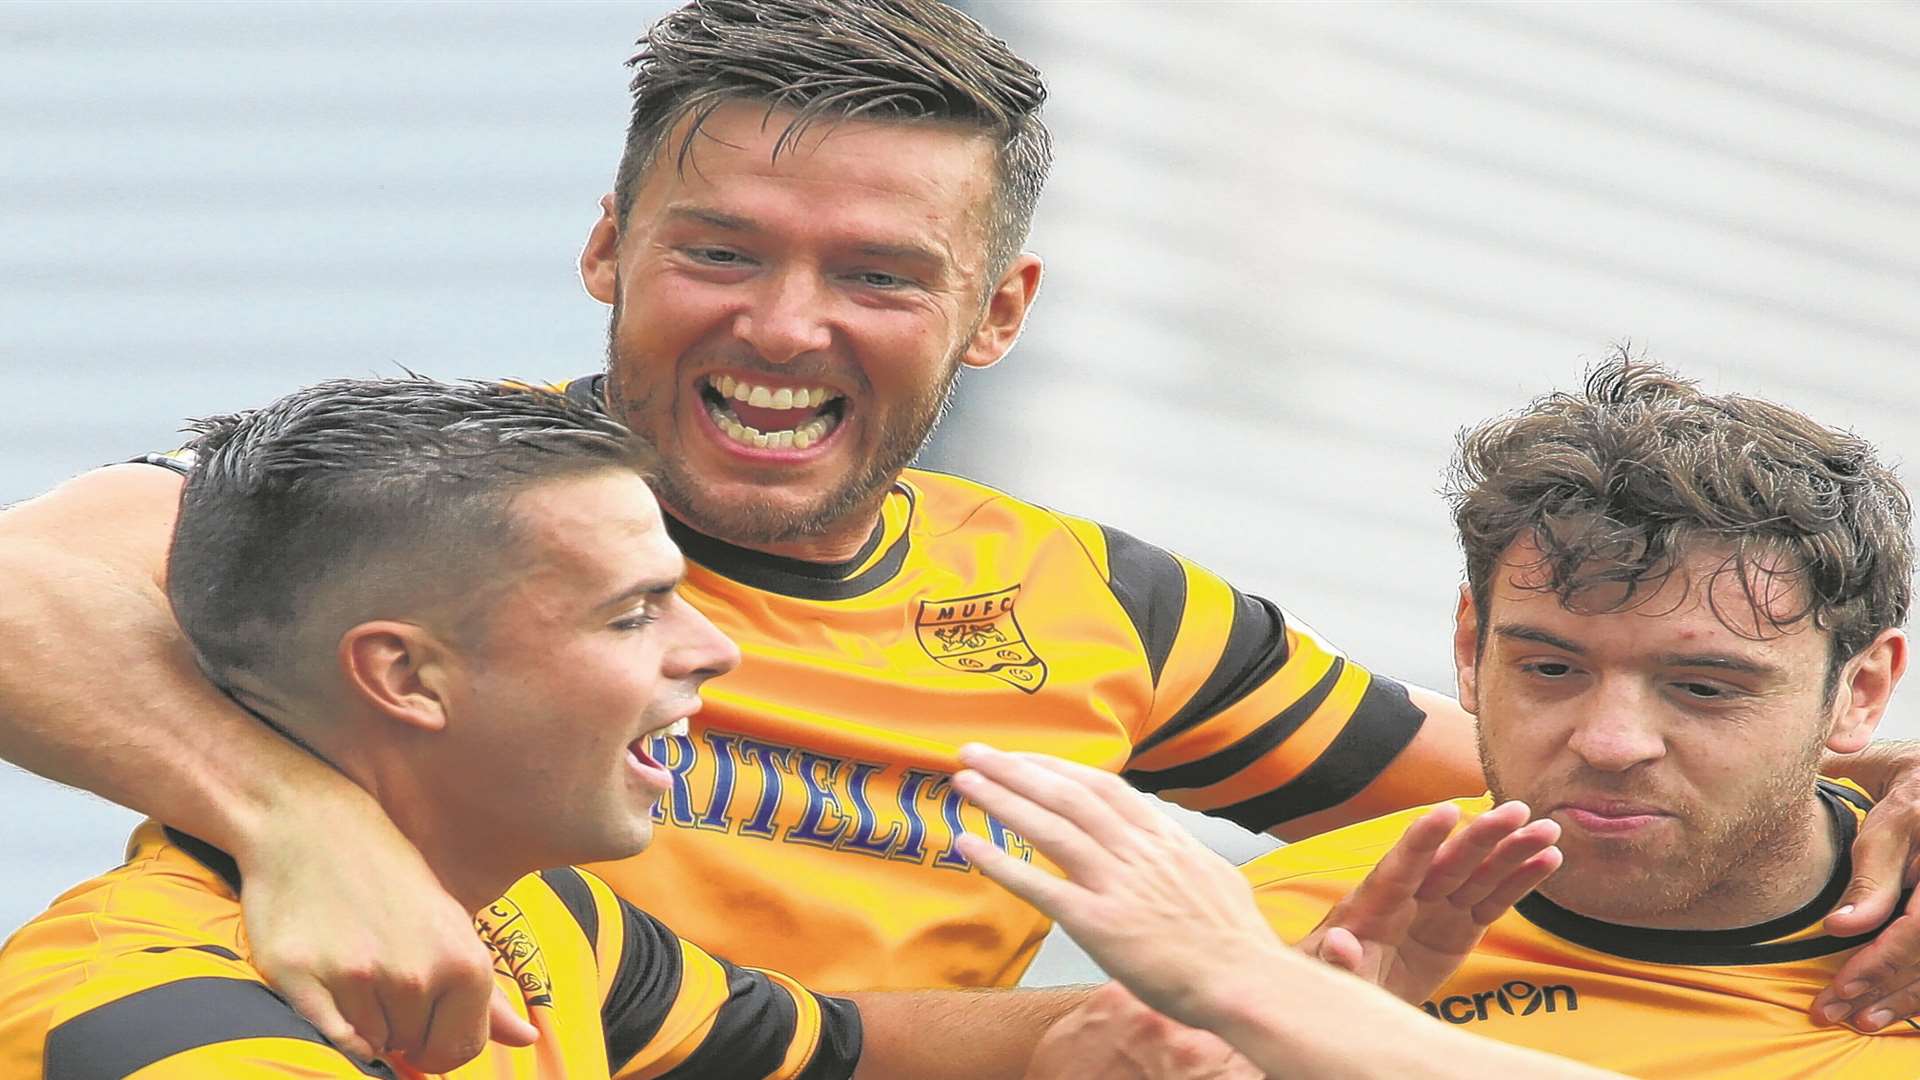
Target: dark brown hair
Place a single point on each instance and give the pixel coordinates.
(396, 488)
(904, 60)
(1618, 483)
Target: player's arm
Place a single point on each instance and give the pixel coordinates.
(670, 1008)
(1256, 719)
(1178, 926)
(98, 689)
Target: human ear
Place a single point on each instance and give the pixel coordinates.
(1466, 651)
(1006, 313)
(398, 670)
(1865, 686)
(600, 259)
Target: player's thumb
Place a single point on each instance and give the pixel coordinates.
(1879, 861)
(506, 1026)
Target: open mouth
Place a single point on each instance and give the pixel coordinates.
(642, 758)
(763, 417)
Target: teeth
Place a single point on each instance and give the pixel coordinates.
(767, 397)
(679, 727)
(799, 438)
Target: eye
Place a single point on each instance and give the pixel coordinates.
(1701, 691)
(637, 621)
(716, 256)
(1549, 669)
(879, 279)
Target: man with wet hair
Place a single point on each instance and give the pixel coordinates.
(816, 224)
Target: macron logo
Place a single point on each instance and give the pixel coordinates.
(1515, 998)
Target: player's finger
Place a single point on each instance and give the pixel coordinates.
(1339, 948)
(1887, 963)
(1466, 850)
(1888, 1010)
(1881, 853)
(316, 1003)
(1052, 834)
(1524, 879)
(1507, 856)
(506, 1026)
(1114, 791)
(409, 1010)
(1055, 897)
(455, 1028)
(1399, 874)
(1067, 798)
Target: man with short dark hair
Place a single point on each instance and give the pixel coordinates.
(1676, 603)
(816, 225)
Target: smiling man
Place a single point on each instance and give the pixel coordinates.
(1675, 604)
(817, 222)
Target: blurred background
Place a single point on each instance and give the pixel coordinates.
(1291, 249)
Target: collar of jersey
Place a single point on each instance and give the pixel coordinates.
(1758, 944)
(869, 568)
(207, 855)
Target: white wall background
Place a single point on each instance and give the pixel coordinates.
(1291, 249)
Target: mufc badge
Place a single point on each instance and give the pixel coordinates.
(980, 636)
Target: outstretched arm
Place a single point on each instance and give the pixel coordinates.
(1178, 926)
(99, 690)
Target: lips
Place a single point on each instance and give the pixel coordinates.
(1609, 817)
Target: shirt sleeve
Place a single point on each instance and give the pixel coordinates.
(1254, 717)
(671, 1010)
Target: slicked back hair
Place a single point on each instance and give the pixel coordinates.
(1620, 483)
(827, 60)
(389, 491)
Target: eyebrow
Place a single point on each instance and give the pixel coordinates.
(1713, 661)
(653, 587)
(735, 223)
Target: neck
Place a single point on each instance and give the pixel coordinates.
(838, 542)
(466, 860)
(1782, 873)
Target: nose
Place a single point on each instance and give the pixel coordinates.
(700, 650)
(788, 316)
(1620, 729)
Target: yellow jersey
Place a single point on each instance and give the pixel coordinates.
(812, 827)
(1698, 1004)
(144, 972)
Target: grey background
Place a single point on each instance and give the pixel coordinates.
(1291, 249)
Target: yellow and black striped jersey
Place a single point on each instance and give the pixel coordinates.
(143, 972)
(1651, 1003)
(811, 826)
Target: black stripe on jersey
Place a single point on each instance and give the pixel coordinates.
(1382, 725)
(750, 1034)
(1842, 791)
(644, 988)
(586, 390)
(1723, 948)
(1255, 745)
(840, 1040)
(213, 950)
(208, 856)
(122, 1037)
(1256, 648)
(1152, 590)
(571, 888)
(797, 577)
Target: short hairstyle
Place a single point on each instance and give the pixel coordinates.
(389, 492)
(1618, 483)
(900, 60)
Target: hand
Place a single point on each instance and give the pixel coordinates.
(1880, 984)
(354, 930)
(1114, 1036)
(1158, 911)
(1412, 922)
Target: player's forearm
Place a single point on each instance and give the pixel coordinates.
(958, 1034)
(99, 690)
(1876, 767)
(1292, 1018)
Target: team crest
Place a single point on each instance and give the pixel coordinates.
(980, 636)
(515, 953)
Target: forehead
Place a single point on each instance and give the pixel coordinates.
(591, 531)
(1702, 602)
(941, 174)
